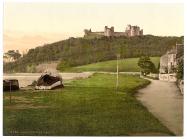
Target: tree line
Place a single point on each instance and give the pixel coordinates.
(81, 51)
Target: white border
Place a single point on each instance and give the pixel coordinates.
(88, 1)
(102, 1)
(1, 65)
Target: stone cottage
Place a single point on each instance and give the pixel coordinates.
(169, 61)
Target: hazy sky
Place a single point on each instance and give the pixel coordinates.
(28, 25)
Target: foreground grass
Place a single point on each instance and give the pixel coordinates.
(125, 65)
(86, 107)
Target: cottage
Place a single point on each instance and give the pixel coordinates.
(169, 63)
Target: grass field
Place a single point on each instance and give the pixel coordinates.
(125, 65)
(85, 107)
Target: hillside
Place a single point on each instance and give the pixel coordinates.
(81, 51)
(125, 65)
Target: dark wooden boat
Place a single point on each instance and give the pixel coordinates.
(49, 81)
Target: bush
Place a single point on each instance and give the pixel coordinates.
(63, 65)
(180, 69)
(146, 65)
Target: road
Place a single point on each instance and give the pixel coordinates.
(164, 101)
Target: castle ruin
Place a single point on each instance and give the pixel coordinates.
(109, 32)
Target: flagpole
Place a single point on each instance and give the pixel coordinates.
(117, 73)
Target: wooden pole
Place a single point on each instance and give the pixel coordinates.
(10, 93)
(117, 74)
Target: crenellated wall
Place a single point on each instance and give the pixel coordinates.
(109, 32)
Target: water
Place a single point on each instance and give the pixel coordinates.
(26, 79)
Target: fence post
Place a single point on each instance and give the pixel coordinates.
(10, 92)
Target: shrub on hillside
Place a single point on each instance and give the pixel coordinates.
(62, 65)
(146, 65)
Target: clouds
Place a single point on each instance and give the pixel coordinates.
(23, 42)
(32, 24)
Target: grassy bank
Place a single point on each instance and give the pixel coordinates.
(86, 107)
(125, 65)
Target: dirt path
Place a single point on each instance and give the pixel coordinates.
(164, 100)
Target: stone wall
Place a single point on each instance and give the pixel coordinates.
(153, 75)
(168, 77)
(172, 62)
(163, 64)
(130, 31)
(117, 34)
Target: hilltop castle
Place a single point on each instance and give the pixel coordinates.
(109, 32)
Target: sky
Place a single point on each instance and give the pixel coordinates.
(28, 25)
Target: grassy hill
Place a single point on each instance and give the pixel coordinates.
(81, 51)
(125, 65)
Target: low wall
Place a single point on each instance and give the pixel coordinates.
(153, 75)
(168, 77)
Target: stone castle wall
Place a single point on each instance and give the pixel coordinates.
(168, 77)
(130, 31)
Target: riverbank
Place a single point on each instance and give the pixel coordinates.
(26, 79)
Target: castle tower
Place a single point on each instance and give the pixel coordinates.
(128, 30)
(141, 32)
(87, 32)
(128, 27)
(133, 30)
(112, 29)
(109, 31)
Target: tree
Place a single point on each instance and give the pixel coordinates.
(146, 65)
(158, 67)
(62, 65)
(81, 51)
(13, 54)
(180, 69)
